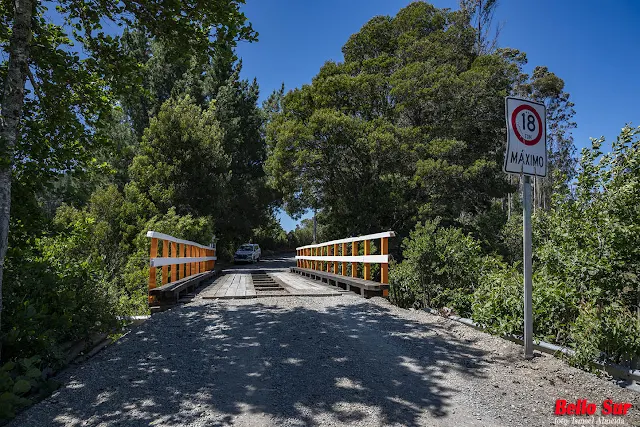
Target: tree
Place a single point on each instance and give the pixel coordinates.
(406, 129)
(68, 96)
(209, 78)
(166, 71)
(273, 105)
(590, 239)
(303, 234)
(549, 89)
(270, 235)
(241, 120)
(181, 161)
(480, 14)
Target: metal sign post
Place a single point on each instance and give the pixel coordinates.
(526, 155)
(526, 257)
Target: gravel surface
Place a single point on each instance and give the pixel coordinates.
(298, 361)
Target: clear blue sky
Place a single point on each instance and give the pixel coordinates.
(592, 45)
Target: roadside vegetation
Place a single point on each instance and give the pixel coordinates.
(585, 293)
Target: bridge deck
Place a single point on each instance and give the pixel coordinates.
(239, 285)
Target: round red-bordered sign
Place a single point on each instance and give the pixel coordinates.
(516, 131)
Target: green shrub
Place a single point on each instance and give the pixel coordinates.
(116, 226)
(590, 243)
(403, 286)
(55, 293)
(93, 267)
(586, 333)
(609, 333)
(22, 383)
(442, 267)
(555, 308)
(620, 339)
(497, 303)
(511, 239)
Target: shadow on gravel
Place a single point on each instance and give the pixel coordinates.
(344, 364)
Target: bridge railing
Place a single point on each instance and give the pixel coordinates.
(180, 258)
(335, 256)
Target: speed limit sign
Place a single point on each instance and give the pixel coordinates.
(526, 137)
(526, 155)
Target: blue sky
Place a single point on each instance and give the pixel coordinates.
(592, 45)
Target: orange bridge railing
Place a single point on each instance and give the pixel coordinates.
(180, 259)
(335, 256)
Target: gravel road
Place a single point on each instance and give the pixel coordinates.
(337, 361)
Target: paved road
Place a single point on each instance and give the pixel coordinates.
(304, 361)
(270, 263)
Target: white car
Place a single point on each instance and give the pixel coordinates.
(248, 252)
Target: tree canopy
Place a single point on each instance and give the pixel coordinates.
(408, 127)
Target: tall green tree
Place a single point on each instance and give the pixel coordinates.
(237, 111)
(181, 161)
(480, 14)
(49, 125)
(210, 78)
(407, 128)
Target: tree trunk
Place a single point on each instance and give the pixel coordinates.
(315, 225)
(12, 103)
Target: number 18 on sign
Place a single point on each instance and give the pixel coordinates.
(526, 156)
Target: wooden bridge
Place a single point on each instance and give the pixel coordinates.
(323, 269)
(340, 263)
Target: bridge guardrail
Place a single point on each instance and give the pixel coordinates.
(329, 255)
(180, 259)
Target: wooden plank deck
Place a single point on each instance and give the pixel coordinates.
(231, 286)
(240, 285)
(298, 285)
